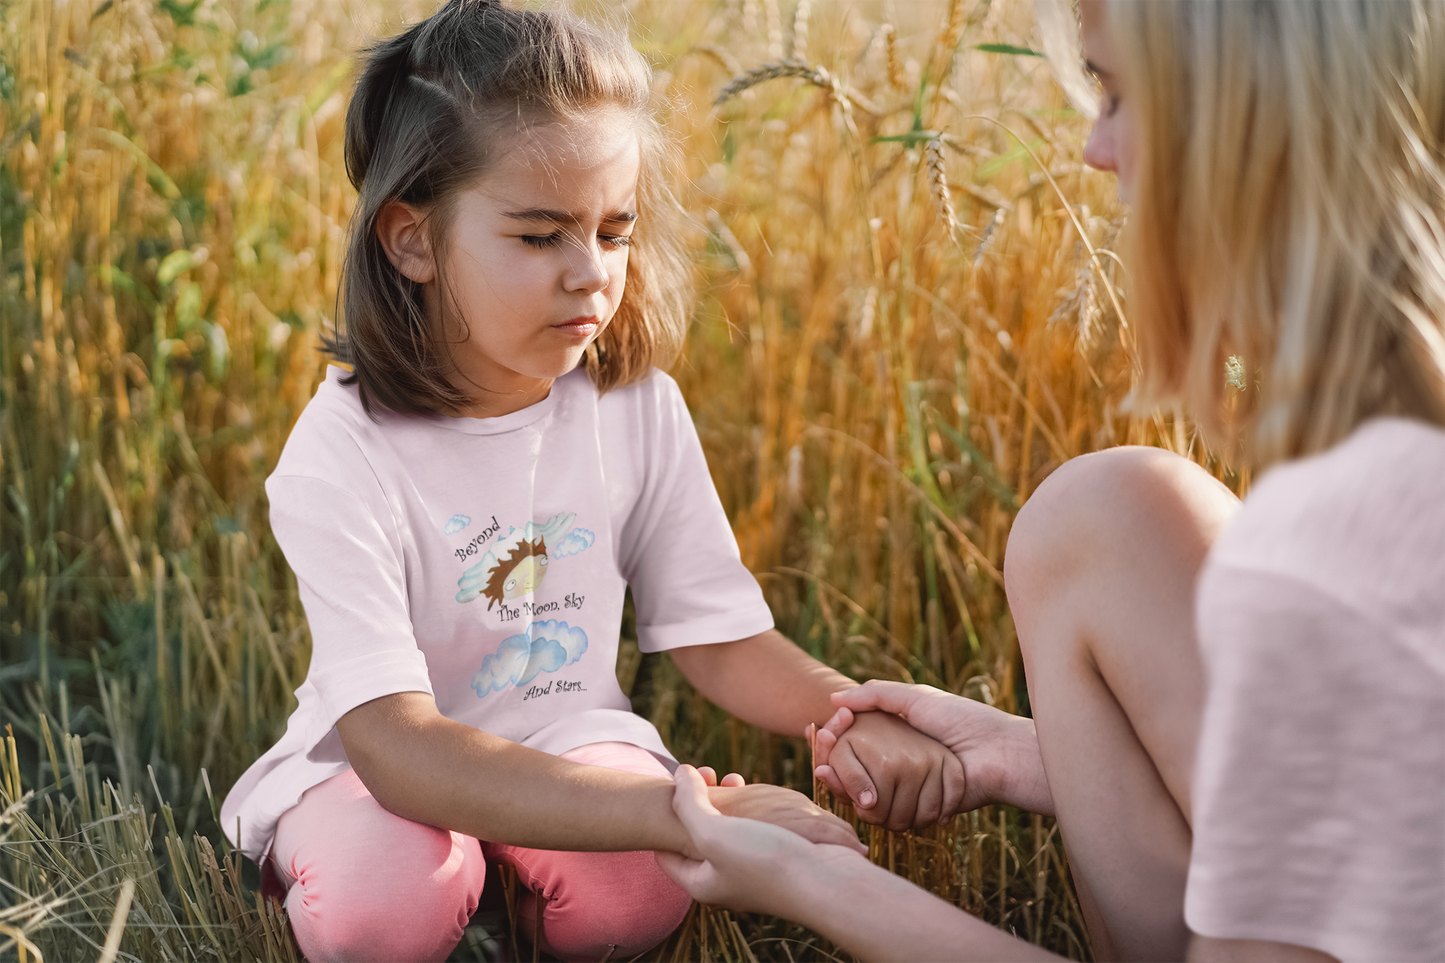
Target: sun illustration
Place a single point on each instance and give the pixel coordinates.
(520, 572)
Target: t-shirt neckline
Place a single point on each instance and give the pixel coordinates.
(486, 426)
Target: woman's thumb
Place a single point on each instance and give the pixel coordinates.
(891, 697)
(690, 801)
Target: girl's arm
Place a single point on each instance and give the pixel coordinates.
(770, 682)
(425, 767)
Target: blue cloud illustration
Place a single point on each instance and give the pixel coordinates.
(455, 524)
(544, 647)
(473, 580)
(577, 540)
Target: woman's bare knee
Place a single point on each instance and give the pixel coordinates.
(1104, 502)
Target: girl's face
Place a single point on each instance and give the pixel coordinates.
(537, 259)
(1111, 145)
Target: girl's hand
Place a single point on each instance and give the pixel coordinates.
(743, 864)
(709, 776)
(782, 807)
(997, 752)
(895, 775)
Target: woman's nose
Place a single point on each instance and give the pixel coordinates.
(1099, 150)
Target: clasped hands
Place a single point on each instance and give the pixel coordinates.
(992, 756)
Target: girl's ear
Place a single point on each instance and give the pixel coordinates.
(401, 228)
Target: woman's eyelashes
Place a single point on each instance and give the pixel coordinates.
(552, 240)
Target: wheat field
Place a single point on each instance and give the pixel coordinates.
(908, 315)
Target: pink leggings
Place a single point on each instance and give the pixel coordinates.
(364, 884)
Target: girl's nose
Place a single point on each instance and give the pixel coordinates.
(586, 268)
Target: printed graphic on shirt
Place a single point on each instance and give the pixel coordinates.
(515, 564)
(455, 524)
(543, 647)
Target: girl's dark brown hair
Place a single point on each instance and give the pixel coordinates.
(433, 107)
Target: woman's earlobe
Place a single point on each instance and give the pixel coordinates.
(401, 229)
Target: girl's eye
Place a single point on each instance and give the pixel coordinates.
(613, 241)
(1111, 105)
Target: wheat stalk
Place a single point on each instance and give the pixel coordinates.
(815, 75)
(895, 65)
(800, 30)
(938, 181)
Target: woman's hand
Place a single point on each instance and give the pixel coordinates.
(998, 752)
(741, 863)
(785, 808)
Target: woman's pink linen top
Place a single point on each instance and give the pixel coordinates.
(1319, 787)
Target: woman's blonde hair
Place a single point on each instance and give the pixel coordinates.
(433, 108)
(1289, 210)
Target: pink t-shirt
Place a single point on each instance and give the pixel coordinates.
(1319, 786)
(484, 561)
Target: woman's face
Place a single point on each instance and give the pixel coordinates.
(1111, 145)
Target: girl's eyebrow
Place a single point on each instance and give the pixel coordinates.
(567, 217)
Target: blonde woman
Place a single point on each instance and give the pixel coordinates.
(1239, 709)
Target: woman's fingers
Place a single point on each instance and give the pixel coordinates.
(894, 697)
(691, 802)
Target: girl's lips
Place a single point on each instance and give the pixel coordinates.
(577, 326)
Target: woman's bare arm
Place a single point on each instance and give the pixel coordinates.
(425, 767)
(872, 913)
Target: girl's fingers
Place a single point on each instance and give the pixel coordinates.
(856, 783)
(840, 722)
(732, 780)
(955, 786)
(830, 779)
(709, 774)
(823, 744)
(929, 806)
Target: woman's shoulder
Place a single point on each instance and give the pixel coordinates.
(1362, 522)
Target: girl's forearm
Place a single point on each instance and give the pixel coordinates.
(424, 767)
(876, 915)
(765, 680)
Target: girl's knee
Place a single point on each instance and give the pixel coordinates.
(615, 904)
(408, 903)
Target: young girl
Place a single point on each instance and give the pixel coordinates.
(465, 511)
(1239, 710)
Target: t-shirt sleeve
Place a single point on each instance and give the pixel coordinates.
(1319, 786)
(350, 572)
(678, 553)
